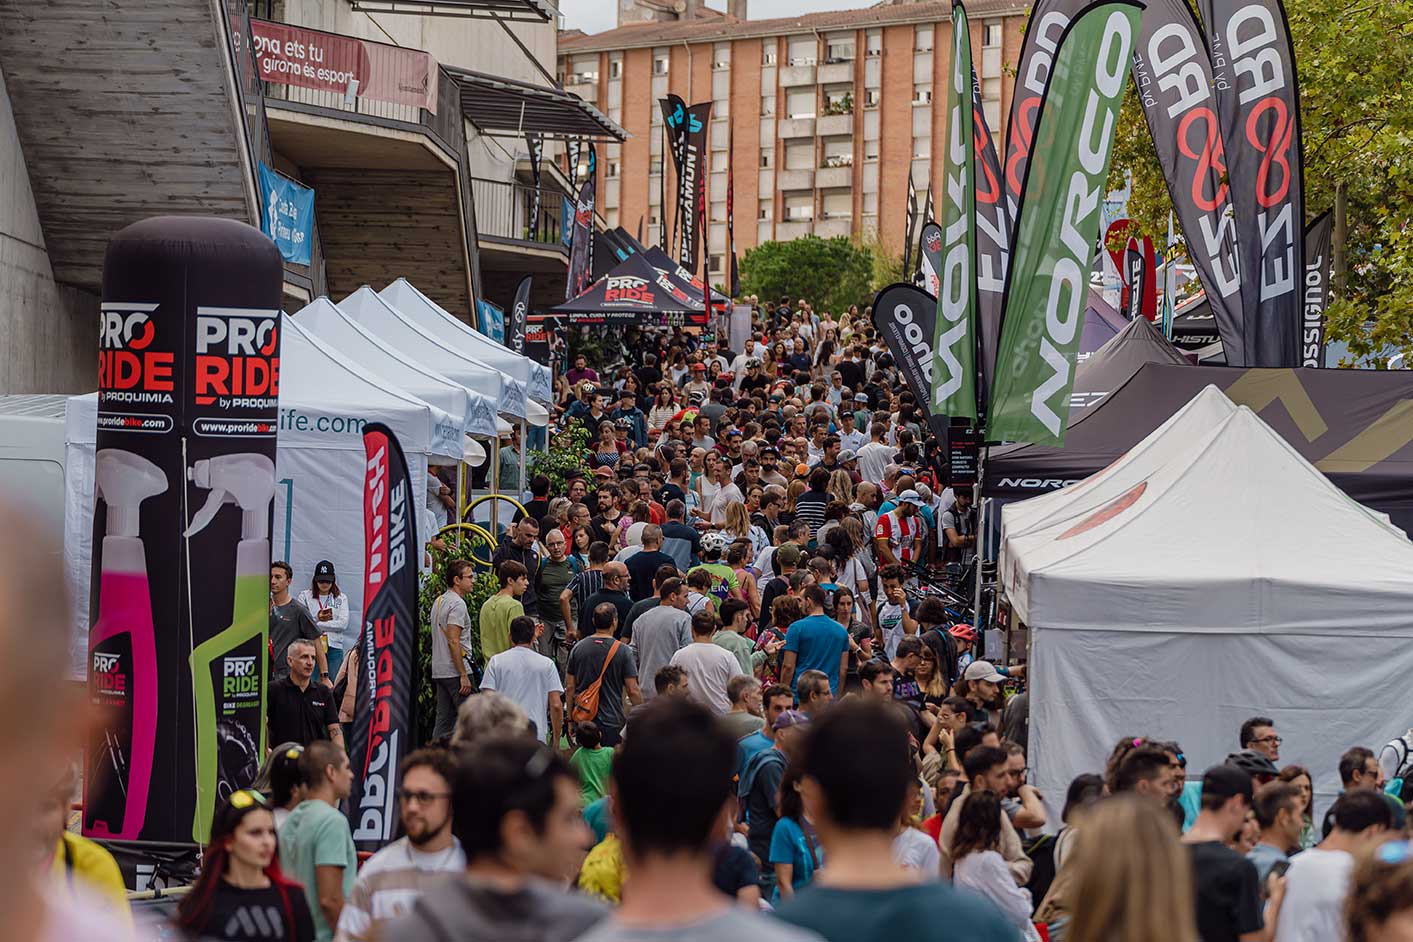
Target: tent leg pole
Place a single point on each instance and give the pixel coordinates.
(495, 489)
(980, 538)
(460, 499)
(524, 444)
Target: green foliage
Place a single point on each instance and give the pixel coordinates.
(433, 585)
(1354, 60)
(832, 273)
(568, 451)
(887, 266)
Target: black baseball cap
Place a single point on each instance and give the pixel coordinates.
(324, 570)
(1224, 781)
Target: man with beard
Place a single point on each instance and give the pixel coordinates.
(425, 858)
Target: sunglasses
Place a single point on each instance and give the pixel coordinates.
(246, 797)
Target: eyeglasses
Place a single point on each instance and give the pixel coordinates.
(246, 797)
(421, 798)
(1272, 739)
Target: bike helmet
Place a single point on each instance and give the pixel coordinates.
(1253, 763)
(714, 542)
(962, 632)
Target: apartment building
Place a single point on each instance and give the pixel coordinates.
(825, 114)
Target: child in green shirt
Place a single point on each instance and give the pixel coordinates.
(592, 761)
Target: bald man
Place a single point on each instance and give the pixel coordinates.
(615, 590)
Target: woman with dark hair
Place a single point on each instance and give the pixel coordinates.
(606, 451)
(582, 537)
(663, 409)
(794, 850)
(240, 886)
(281, 780)
(1299, 776)
(979, 866)
(329, 609)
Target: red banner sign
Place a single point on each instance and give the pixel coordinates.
(309, 58)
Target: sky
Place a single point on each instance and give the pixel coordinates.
(595, 16)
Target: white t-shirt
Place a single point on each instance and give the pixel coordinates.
(724, 496)
(391, 882)
(1315, 887)
(852, 441)
(916, 850)
(709, 668)
(873, 460)
(890, 622)
(985, 872)
(528, 678)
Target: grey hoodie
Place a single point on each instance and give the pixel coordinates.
(466, 912)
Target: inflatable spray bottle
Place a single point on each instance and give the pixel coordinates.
(229, 670)
(122, 679)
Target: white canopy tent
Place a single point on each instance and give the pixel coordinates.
(325, 401)
(1209, 576)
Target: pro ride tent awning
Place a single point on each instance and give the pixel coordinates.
(1355, 426)
(501, 107)
(683, 278)
(634, 292)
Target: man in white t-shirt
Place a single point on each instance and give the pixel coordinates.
(451, 645)
(529, 678)
(1318, 879)
(709, 666)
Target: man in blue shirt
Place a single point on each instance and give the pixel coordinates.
(775, 699)
(816, 642)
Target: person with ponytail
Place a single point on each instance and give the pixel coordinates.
(241, 895)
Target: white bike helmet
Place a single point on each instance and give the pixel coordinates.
(714, 543)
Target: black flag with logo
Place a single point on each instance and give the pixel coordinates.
(905, 317)
(911, 222)
(1133, 279)
(674, 126)
(519, 314)
(1316, 294)
(535, 144)
(693, 180)
(993, 239)
(384, 669)
(1259, 112)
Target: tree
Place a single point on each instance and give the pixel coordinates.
(830, 273)
(1356, 109)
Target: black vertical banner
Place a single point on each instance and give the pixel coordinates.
(674, 122)
(519, 314)
(927, 217)
(993, 239)
(911, 222)
(905, 316)
(1259, 110)
(1316, 295)
(580, 261)
(1133, 278)
(534, 143)
(386, 667)
(1174, 77)
(574, 148)
(693, 180)
(733, 282)
(589, 232)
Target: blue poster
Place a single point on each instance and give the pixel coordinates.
(288, 216)
(566, 221)
(491, 320)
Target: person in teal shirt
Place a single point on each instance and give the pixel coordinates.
(316, 845)
(592, 761)
(794, 850)
(816, 642)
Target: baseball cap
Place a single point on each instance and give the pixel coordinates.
(324, 570)
(910, 496)
(983, 670)
(802, 470)
(788, 555)
(861, 397)
(1224, 781)
(790, 718)
(846, 455)
(698, 366)
(603, 472)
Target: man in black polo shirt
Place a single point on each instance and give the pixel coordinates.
(298, 709)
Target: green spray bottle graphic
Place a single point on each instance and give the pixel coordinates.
(229, 670)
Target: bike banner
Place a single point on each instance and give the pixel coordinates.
(693, 179)
(904, 316)
(1060, 218)
(674, 126)
(519, 313)
(993, 240)
(1174, 77)
(385, 661)
(930, 264)
(1259, 111)
(953, 391)
(1317, 289)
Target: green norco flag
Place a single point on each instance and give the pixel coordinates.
(954, 337)
(1058, 226)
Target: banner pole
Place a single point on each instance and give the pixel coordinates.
(524, 439)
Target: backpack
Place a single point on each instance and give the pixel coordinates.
(586, 701)
(1404, 749)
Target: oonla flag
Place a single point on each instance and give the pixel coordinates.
(954, 339)
(1060, 220)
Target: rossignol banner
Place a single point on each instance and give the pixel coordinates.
(693, 180)
(993, 239)
(579, 258)
(535, 144)
(519, 314)
(953, 391)
(385, 671)
(1316, 296)
(1060, 218)
(1259, 108)
(188, 387)
(1048, 19)
(904, 316)
(1174, 77)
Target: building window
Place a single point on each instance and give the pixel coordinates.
(871, 96)
(767, 104)
(922, 145)
(655, 167)
(767, 208)
(721, 57)
(767, 157)
(611, 169)
(800, 103)
(615, 68)
(839, 52)
(715, 265)
(718, 211)
(718, 161)
(660, 65)
(922, 39)
(871, 149)
(767, 56)
(991, 89)
(802, 50)
(991, 34)
(654, 218)
(873, 43)
(922, 94)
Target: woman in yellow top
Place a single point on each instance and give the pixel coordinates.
(77, 862)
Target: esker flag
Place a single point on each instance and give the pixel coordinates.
(384, 670)
(953, 350)
(1061, 216)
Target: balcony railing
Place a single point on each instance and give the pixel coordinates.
(503, 211)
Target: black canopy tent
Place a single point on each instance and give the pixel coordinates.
(1113, 364)
(633, 292)
(1356, 426)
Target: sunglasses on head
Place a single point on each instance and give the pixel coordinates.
(246, 797)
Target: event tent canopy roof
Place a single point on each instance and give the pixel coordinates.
(1113, 364)
(502, 107)
(634, 291)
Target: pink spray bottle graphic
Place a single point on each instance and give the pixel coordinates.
(122, 677)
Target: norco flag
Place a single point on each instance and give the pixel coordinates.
(385, 666)
(1174, 78)
(993, 237)
(953, 391)
(519, 313)
(693, 180)
(1048, 19)
(1259, 108)
(1061, 217)
(580, 261)
(904, 316)
(1316, 294)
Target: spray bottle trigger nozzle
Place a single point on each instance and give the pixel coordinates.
(208, 511)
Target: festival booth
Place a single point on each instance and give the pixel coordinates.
(1210, 575)
(1352, 425)
(325, 401)
(1114, 363)
(635, 292)
(1102, 323)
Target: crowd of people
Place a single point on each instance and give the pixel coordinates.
(716, 699)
